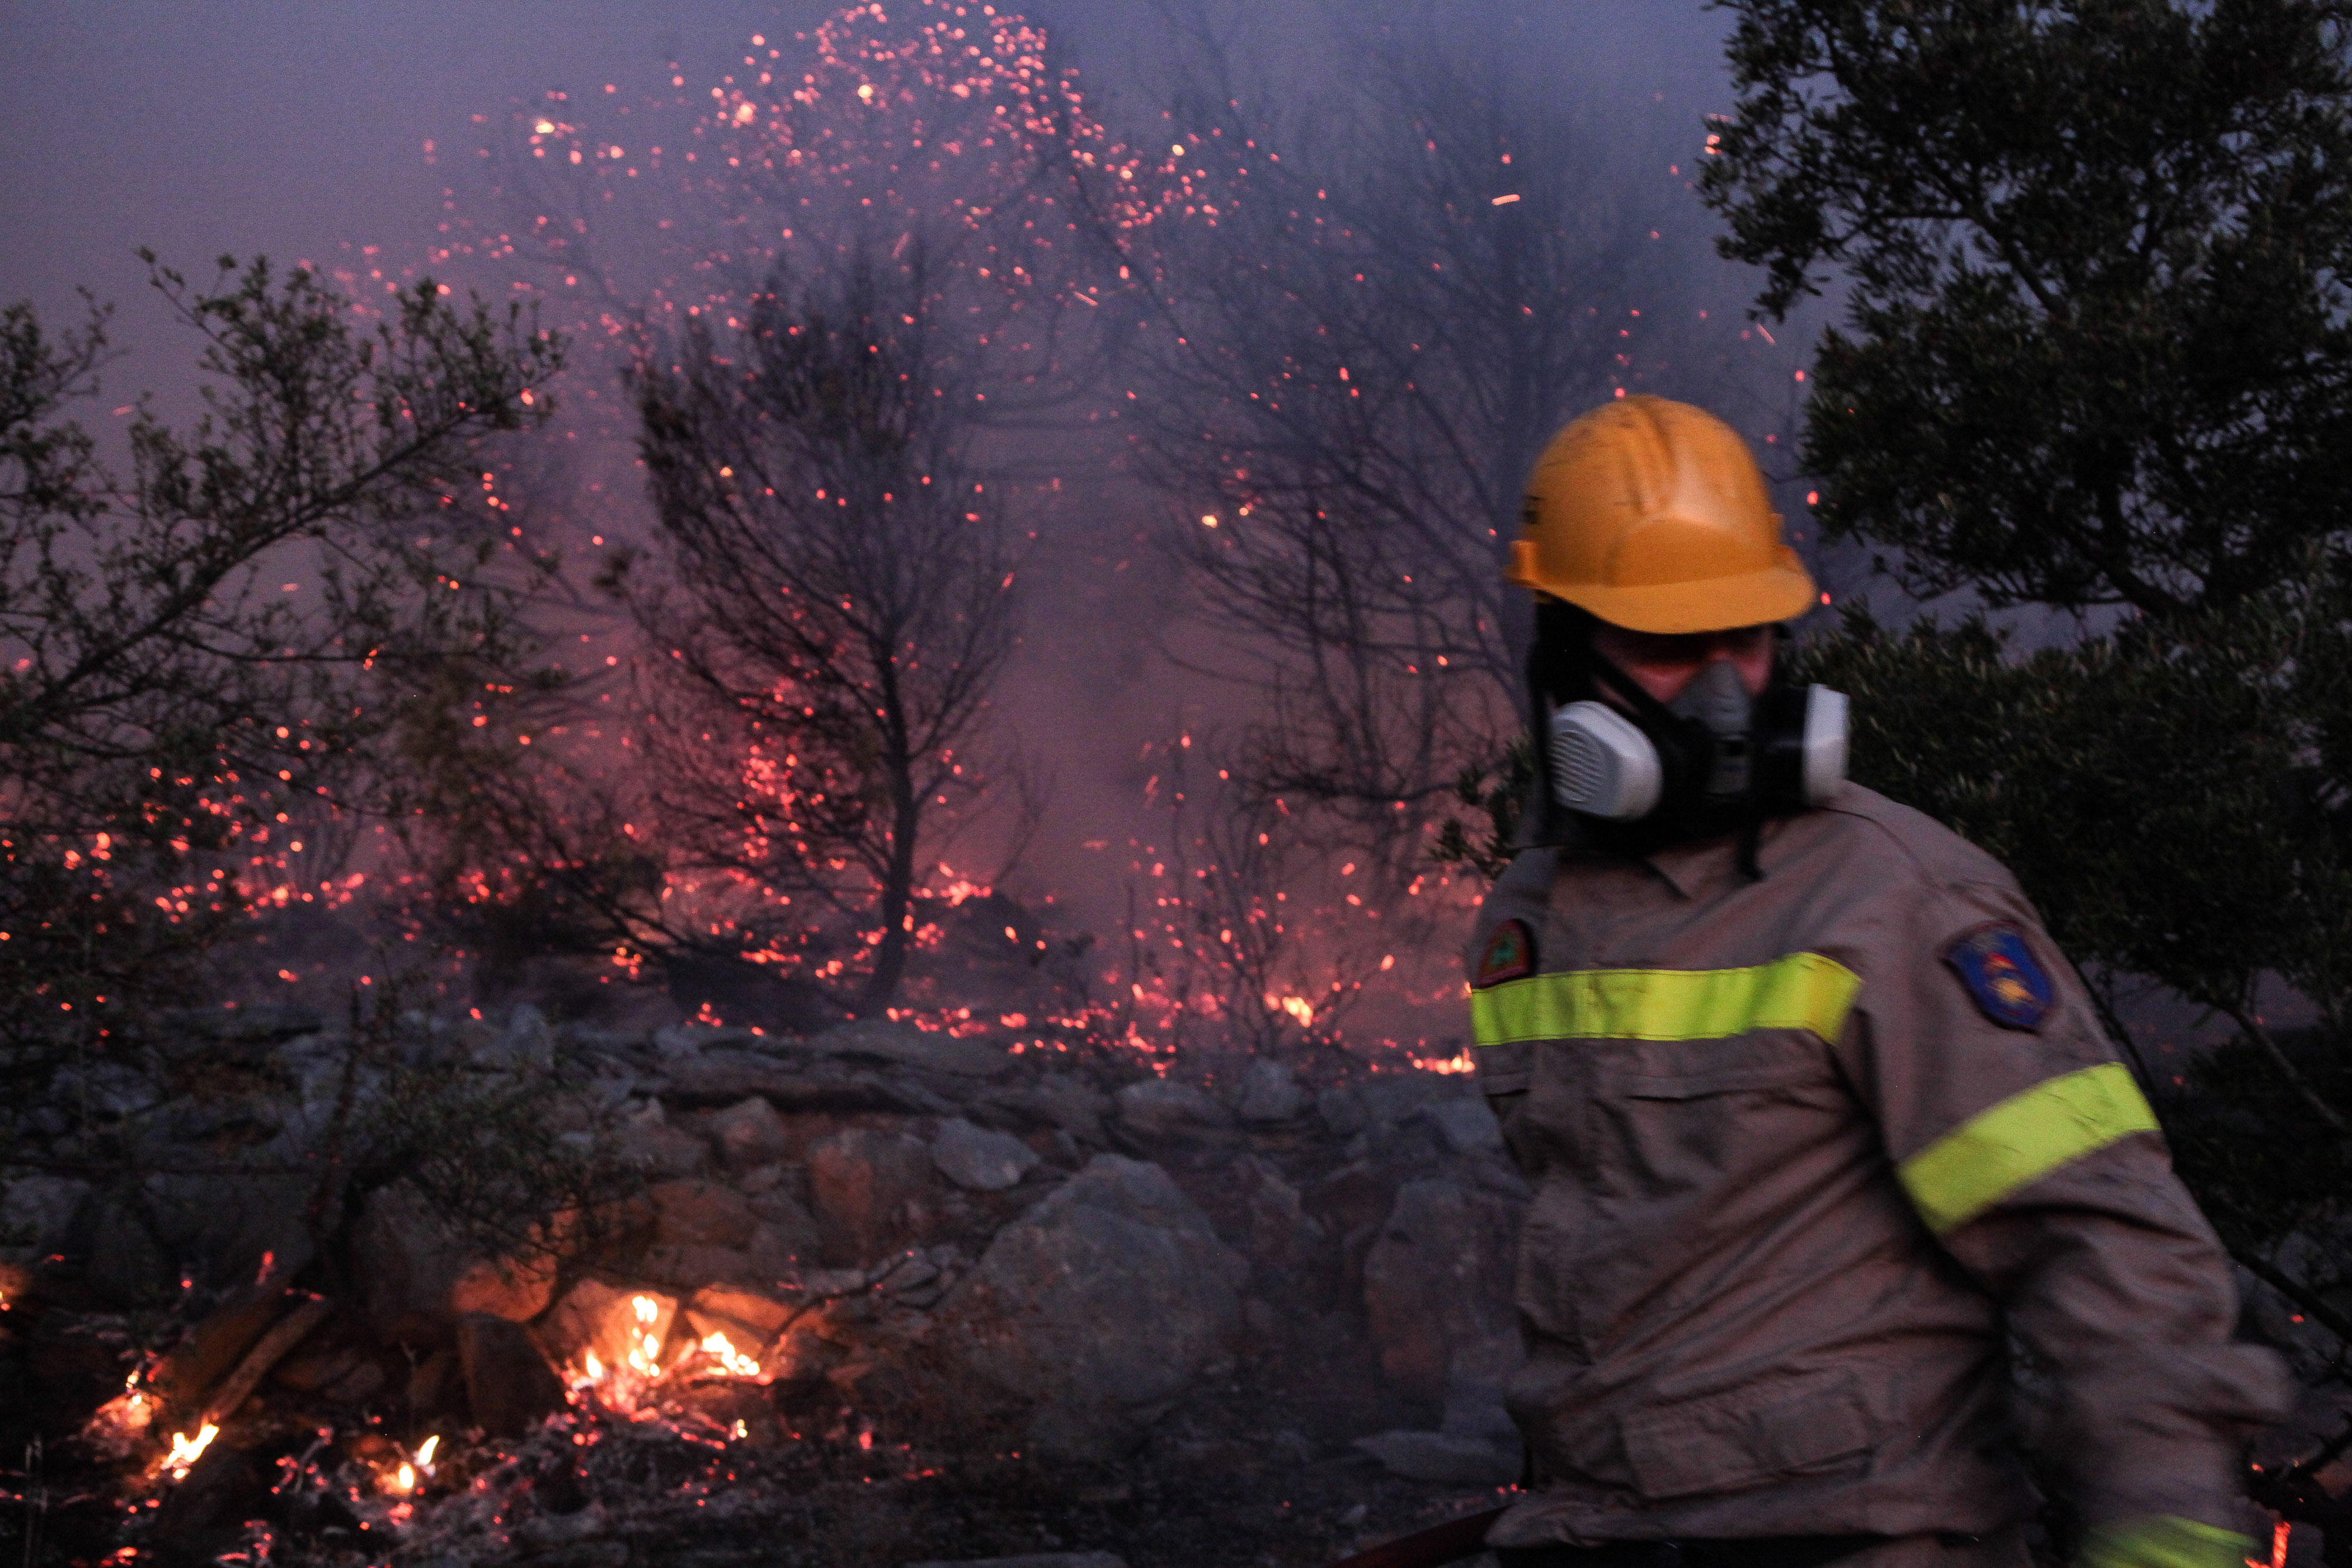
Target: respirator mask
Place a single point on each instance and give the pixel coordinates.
(1711, 761)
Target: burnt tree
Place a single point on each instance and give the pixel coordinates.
(837, 609)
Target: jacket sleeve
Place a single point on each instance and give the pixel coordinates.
(2028, 1153)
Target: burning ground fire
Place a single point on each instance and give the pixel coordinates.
(647, 1364)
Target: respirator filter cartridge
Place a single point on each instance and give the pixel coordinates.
(1603, 765)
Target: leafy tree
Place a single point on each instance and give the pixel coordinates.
(2094, 358)
(2092, 257)
(225, 650)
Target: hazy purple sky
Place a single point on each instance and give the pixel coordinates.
(289, 126)
(294, 127)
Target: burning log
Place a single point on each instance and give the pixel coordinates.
(283, 1337)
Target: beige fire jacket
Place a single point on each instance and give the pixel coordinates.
(1800, 1148)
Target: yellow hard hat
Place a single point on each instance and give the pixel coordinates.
(1652, 515)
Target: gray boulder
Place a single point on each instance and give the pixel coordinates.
(36, 1212)
(748, 1133)
(416, 1278)
(643, 1137)
(868, 1189)
(979, 1160)
(1395, 1096)
(1098, 1308)
(903, 1045)
(1268, 1092)
(1438, 1284)
(1283, 1238)
(1466, 1125)
(1161, 1108)
(527, 1046)
(1342, 1111)
(1055, 1100)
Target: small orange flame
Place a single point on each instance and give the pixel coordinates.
(737, 1364)
(185, 1450)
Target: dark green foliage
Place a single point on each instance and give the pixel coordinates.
(2097, 351)
(2170, 796)
(229, 641)
(2156, 790)
(1495, 791)
(2096, 347)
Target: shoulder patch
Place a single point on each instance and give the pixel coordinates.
(2006, 980)
(1509, 955)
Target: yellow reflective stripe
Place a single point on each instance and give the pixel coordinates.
(2164, 1540)
(2021, 1140)
(1803, 990)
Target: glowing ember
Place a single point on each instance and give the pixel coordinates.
(185, 1450)
(1298, 1008)
(736, 1364)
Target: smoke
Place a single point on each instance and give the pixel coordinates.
(397, 142)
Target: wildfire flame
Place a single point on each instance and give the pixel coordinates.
(185, 1450)
(736, 1364)
(417, 1467)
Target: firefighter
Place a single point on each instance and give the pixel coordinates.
(1817, 1119)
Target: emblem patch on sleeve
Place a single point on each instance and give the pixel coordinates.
(2008, 983)
(1509, 954)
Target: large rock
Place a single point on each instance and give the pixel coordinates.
(619, 1325)
(129, 1266)
(416, 1277)
(225, 1231)
(1164, 1108)
(1055, 1100)
(1268, 1092)
(1437, 1284)
(646, 1139)
(700, 1213)
(979, 1160)
(1283, 1238)
(749, 1319)
(509, 1388)
(1098, 1308)
(905, 1046)
(37, 1213)
(868, 1188)
(786, 1220)
(749, 1135)
(1466, 1125)
(527, 1044)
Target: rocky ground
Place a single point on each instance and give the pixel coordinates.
(876, 1295)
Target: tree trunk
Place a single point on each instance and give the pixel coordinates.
(898, 893)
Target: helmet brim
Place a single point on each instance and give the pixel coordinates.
(1709, 604)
